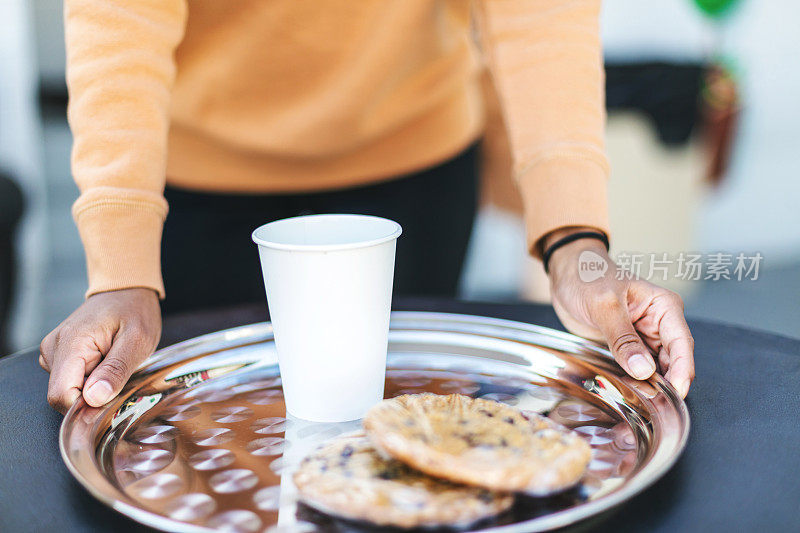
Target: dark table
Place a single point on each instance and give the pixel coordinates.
(740, 470)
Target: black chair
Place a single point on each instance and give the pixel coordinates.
(11, 208)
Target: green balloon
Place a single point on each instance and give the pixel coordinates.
(714, 8)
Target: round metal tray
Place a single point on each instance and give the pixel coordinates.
(199, 439)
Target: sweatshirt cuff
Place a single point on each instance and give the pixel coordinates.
(561, 192)
(121, 234)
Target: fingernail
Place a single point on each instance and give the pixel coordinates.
(98, 393)
(641, 367)
(682, 386)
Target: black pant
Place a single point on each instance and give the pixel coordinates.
(208, 259)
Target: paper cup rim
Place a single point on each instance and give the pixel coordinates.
(394, 233)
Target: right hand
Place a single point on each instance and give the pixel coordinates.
(96, 349)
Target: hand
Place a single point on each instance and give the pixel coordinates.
(638, 320)
(106, 339)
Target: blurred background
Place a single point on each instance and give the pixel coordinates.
(702, 138)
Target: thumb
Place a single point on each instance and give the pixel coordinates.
(108, 378)
(625, 344)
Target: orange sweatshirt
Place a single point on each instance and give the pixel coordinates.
(293, 95)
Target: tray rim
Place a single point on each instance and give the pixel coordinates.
(547, 522)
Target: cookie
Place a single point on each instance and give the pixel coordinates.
(348, 478)
(478, 442)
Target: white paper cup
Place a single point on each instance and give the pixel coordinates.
(329, 287)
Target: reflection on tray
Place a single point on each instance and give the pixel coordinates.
(524, 508)
(135, 406)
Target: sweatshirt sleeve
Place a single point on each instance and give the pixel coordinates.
(120, 70)
(546, 61)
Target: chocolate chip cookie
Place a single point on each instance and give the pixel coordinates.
(348, 478)
(478, 442)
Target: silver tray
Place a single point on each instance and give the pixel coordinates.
(199, 439)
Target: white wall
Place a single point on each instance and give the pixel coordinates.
(666, 29)
(756, 209)
(759, 206)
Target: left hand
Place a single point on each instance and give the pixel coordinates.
(639, 321)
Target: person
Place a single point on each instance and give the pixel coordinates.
(252, 111)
